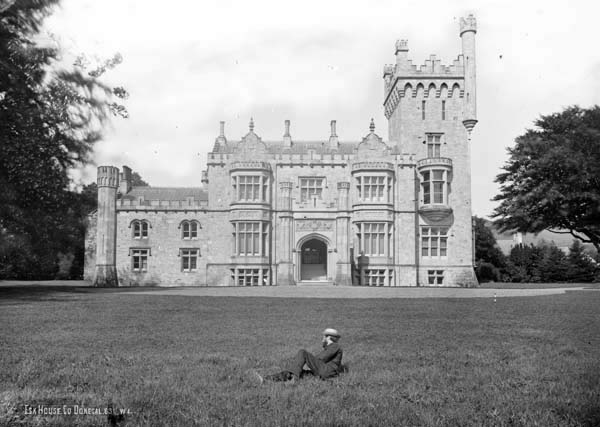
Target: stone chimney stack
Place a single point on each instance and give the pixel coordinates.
(287, 138)
(125, 181)
(221, 140)
(334, 142)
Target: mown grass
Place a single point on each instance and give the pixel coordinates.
(184, 360)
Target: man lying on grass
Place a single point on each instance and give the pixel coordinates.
(326, 364)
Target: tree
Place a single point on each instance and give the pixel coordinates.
(486, 247)
(49, 121)
(553, 264)
(488, 256)
(137, 181)
(523, 264)
(552, 178)
(582, 267)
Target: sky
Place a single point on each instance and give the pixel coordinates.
(190, 64)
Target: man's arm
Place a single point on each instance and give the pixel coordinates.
(329, 352)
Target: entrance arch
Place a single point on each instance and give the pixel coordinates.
(313, 260)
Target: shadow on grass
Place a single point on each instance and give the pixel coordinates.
(31, 293)
(516, 285)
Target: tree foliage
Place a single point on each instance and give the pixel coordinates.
(552, 178)
(137, 181)
(488, 256)
(50, 118)
(545, 263)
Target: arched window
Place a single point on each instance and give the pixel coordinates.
(431, 91)
(189, 229)
(140, 228)
(455, 90)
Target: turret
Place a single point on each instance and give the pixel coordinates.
(468, 28)
(106, 230)
(401, 51)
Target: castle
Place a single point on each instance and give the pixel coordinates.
(370, 213)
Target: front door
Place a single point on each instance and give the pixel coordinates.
(313, 261)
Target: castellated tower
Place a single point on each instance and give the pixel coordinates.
(106, 272)
(432, 111)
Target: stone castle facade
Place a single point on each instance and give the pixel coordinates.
(370, 213)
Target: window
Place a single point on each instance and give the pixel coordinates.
(251, 238)
(139, 259)
(140, 229)
(378, 277)
(374, 188)
(435, 277)
(443, 110)
(434, 242)
(311, 188)
(422, 110)
(248, 187)
(374, 238)
(189, 230)
(250, 276)
(189, 259)
(434, 184)
(433, 145)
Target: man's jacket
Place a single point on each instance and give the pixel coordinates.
(332, 356)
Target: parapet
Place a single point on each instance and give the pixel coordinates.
(468, 24)
(108, 176)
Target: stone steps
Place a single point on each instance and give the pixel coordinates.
(309, 283)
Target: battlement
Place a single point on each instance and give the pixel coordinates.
(468, 24)
(108, 176)
(404, 79)
(432, 66)
(310, 159)
(162, 205)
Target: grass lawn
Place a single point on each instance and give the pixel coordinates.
(184, 360)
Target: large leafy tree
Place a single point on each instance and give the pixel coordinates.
(552, 178)
(49, 119)
(486, 247)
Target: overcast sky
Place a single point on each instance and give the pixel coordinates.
(190, 64)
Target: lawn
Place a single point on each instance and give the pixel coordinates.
(185, 360)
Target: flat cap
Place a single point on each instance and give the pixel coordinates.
(331, 332)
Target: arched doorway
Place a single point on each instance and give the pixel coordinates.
(313, 260)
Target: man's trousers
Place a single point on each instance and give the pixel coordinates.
(316, 366)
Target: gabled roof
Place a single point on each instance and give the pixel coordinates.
(166, 193)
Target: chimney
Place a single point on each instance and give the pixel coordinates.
(287, 138)
(220, 140)
(125, 183)
(334, 142)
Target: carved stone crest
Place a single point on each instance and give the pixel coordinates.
(314, 225)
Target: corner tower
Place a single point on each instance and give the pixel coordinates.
(431, 111)
(106, 272)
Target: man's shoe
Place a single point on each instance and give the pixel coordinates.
(281, 376)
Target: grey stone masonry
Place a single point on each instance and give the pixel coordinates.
(329, 212)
